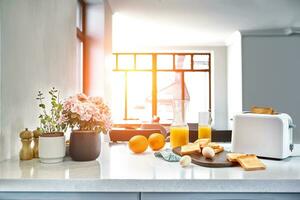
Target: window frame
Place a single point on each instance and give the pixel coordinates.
(155, 70)
(81, 35)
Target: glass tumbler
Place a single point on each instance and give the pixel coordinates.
(204, 125)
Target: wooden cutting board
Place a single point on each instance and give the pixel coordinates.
(219, 160)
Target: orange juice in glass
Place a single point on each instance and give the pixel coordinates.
(179, 136)
(204, 125)
(179, 130)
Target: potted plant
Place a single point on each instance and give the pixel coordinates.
(87, 117)
(52, 140)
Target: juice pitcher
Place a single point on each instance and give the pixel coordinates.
(179, 130)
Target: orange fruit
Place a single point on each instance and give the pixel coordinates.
(156, 141)
(138, 144)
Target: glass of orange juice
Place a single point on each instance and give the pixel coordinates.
(179, 136)
(204, 125)
(179, 130)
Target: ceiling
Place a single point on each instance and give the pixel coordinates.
(196, 22)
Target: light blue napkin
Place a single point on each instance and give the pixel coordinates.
(167, 155)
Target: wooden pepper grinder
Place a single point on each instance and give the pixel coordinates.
(26, 151)
(36, 135)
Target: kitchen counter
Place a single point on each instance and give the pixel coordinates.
(119, 170)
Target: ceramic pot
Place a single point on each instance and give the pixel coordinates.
(84, 145)
(52, 147)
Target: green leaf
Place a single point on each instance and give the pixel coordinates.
(59, 107)
(53, 103)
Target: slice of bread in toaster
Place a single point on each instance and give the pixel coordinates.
(190, 148)
(250, 162)
(262, 110)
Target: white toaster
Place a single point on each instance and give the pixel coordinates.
(265, 135)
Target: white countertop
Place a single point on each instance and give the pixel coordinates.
(119, 170)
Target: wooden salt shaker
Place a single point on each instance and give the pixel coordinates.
(26, 150)
(36, 135)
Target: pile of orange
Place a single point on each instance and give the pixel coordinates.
(139, 143)
(156, 141)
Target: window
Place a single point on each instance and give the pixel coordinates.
(80, 27)
(144, 84)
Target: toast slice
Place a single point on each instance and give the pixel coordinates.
(232, 157)
(262, 110)
(213, 145)
(216, 147)
(250, 162)
(190, 149)
(203, 142)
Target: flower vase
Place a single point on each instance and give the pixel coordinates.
(84, 145)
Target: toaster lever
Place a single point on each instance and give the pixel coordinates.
(291, 125)
(291, 147)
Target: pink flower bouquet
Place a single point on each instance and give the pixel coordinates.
(86, 113)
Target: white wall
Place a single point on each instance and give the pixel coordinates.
(234, 76)
(38, 52)
(1, 138)
(219, 86)
(271, 68)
